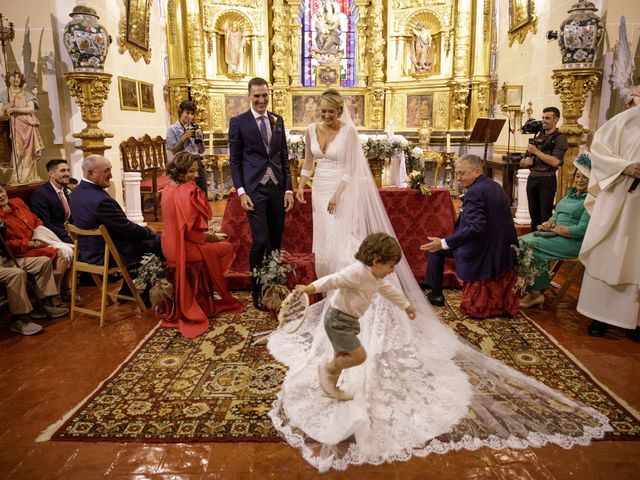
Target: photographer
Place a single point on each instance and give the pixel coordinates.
(184, 136)
(544, 155)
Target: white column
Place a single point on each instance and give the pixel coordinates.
(132, 200)
(522, 213)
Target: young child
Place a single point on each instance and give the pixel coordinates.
(378, 255)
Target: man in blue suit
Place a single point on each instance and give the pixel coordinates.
(483, 234)
(91, 206)
(50, 202)
(260, 170)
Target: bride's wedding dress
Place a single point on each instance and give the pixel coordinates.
(422, 389)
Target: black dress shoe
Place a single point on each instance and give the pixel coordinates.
(635, 335)
(597, 328)
(259, 306)
(436, 300)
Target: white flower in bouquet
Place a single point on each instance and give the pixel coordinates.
(400, 141)
(295, 144)
(363, 138)
(417, 152)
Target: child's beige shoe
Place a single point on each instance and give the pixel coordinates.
(327, 381)
(342, 395)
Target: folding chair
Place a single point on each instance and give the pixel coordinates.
(99, 272)
(576, 270)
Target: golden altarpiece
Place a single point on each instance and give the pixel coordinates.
(406, 63)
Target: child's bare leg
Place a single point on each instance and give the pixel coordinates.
(343, 360)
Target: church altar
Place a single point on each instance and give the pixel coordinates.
(413, 216)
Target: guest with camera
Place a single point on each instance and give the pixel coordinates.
(185, 136)
(545, 154)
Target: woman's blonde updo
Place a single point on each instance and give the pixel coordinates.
(333, 98)
(178, 167)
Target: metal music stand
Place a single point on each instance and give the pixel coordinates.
(486, 130)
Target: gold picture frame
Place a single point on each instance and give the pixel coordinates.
(510, 97)
(522, 20)
(145, 95)
(134, 29)
(128, 89)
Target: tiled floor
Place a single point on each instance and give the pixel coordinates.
(42, 377)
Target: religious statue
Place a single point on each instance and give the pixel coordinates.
(25, 137)
(420, 48)
(327, 20)
(233, 47)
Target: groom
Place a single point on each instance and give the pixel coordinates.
(260, 171)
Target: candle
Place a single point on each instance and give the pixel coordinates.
(390, 129)
(448, 143)
(210, 143)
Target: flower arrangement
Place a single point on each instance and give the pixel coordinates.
(377, 146)
(152, 275)
(272, 276)
(526, 267)
(295, 144)
(415, 180)
(413, 158)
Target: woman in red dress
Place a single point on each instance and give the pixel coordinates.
(185, 239)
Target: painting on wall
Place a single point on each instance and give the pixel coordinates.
(306, 109)
(521, 19)
(234, 105)
(145, 91)
(134, 29)
(128, 89)
(419, 107)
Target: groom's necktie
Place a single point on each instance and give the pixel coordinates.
(268, 175)
(263, 130)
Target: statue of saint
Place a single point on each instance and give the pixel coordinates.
(328, 27)
(25, 137)
(233, 47)
(420, 51)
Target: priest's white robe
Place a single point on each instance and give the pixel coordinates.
(611, 247)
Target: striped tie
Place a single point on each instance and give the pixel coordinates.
(263, 130)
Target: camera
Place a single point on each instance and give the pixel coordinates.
(532, 126)
(197, 133)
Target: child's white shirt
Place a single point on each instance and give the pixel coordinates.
(355, 287)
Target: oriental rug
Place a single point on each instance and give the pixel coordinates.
(220, 386)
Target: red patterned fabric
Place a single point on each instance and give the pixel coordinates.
(414, 218)
(489, 298)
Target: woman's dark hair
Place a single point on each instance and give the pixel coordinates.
(178, 167)
(381, 247)
(186, 105)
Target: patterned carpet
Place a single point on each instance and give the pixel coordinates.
(219, 387)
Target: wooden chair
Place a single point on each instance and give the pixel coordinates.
(99, 272)
(148, 157)
(576, 270)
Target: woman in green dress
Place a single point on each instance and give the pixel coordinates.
(560, 236)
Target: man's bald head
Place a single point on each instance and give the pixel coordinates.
(97, 169)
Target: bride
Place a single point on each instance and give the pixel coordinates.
(422, 388)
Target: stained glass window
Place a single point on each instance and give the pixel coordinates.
(329, 40)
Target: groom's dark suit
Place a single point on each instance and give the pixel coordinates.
(249, 160)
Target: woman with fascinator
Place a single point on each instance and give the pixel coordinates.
(422, 389)
(560, 236)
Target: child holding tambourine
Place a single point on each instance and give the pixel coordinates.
(378, 256)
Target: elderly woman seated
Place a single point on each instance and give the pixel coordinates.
(560, 236)
(27, 236)
(186, 240)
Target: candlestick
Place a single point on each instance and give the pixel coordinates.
(210, 143)
(448, 143)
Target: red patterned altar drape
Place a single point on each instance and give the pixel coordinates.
(413, 216)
